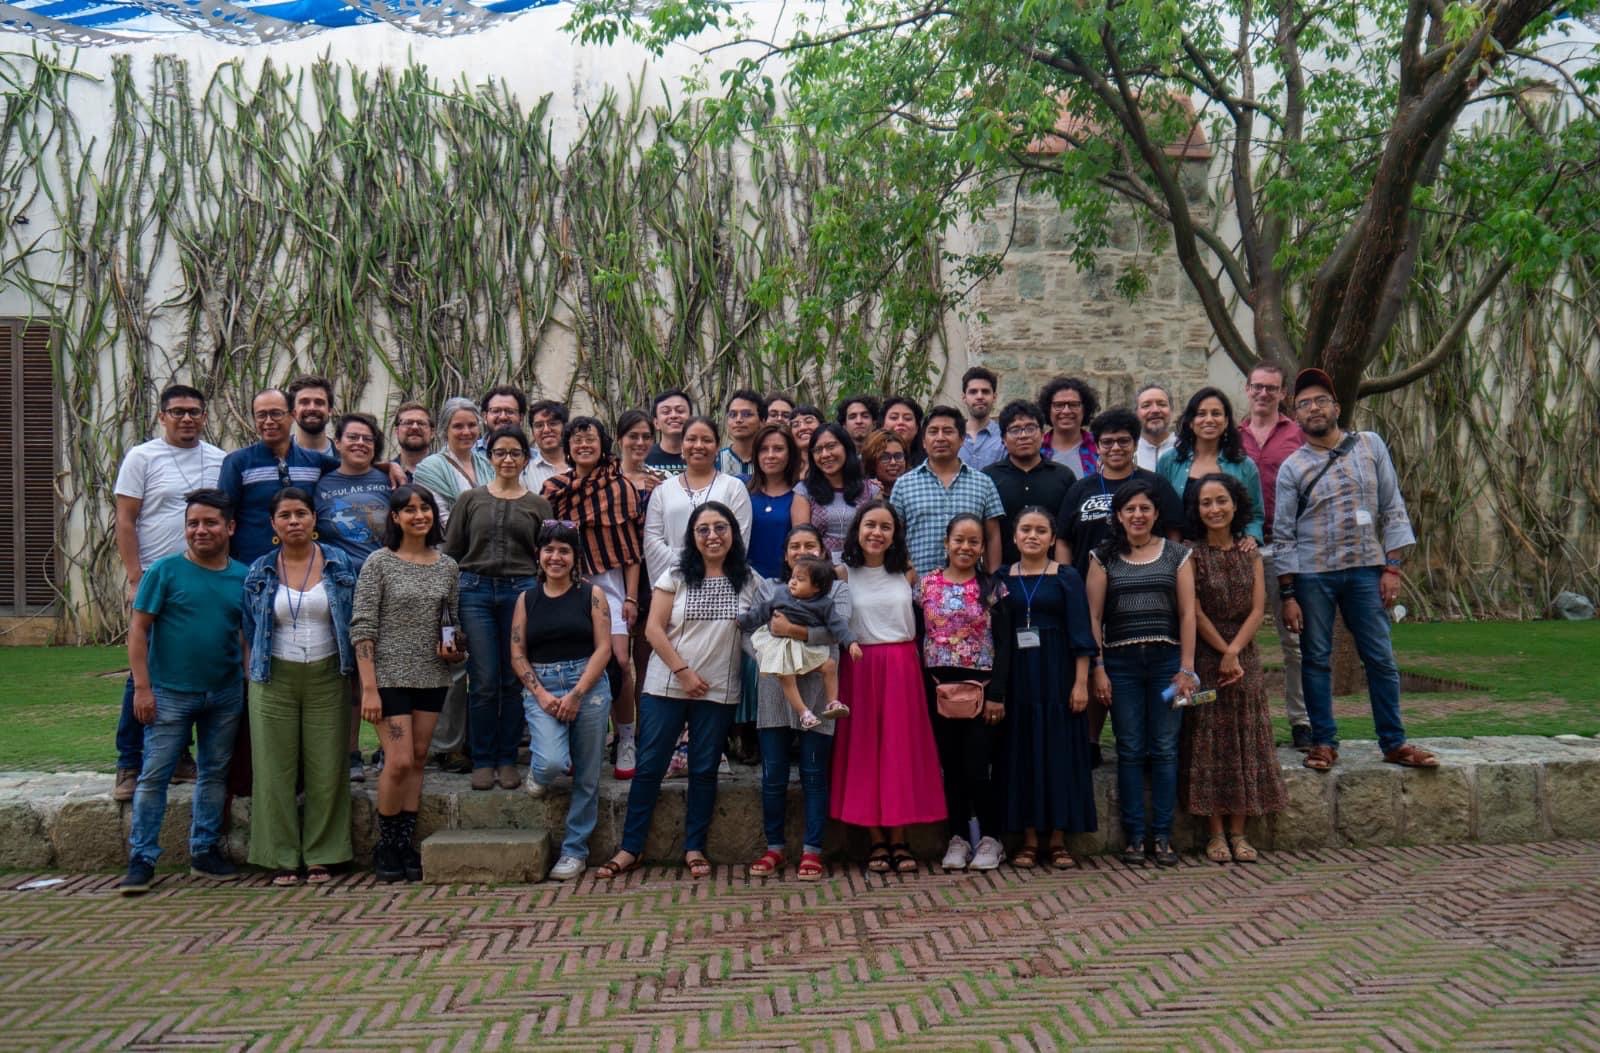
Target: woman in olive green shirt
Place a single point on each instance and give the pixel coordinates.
(494, 537)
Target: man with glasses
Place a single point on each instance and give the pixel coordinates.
(745, 412)
(413, 434)
(1083, 519)
(983, 444)
(780, 408)
(1023, 477)
(151, 490)
(547, 419)
(1067, 404)
(1269, 437)
(251, 476)
(1339, 525)
(503, 406)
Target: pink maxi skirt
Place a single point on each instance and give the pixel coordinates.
(885, 762)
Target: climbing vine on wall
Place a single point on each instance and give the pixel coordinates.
(348, 222)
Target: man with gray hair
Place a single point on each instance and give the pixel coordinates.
(1152, 404)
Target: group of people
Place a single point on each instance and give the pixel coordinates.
(931, 611)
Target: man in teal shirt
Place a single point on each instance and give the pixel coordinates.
(188, 673)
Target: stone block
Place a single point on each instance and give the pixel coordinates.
(1307, 821)
(87, 835)
(364, 825)
(1367, 805)
(1507, 802)
(1572, 797)
(664, 842)
(236, 838)
(1030, 282)
(1437, 805)
(506, 810)
(175, 822)
(485, 857)
(735, 835)
(1025, 235)
(23, 841)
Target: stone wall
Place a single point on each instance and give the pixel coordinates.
(1041, 316)
(1489, 790)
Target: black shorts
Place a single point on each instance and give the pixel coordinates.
(404, 701)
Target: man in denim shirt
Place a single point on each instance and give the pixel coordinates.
(1338, 527)
(184, 648)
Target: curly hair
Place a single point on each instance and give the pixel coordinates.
(1243, 507)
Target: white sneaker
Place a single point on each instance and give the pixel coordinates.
(724, 768)
(627, 758)
(988, 855)
(534, 787)
(567, 868)
(958, 854)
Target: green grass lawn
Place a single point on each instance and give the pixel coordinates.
(59, 704)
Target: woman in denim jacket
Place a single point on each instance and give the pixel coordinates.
(297, 603)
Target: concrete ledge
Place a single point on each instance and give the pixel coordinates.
(485, 857)
(1491, 790)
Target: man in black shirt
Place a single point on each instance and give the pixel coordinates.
(1023, 476)
(1084, 519)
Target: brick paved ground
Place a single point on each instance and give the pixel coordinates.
(1466, 947)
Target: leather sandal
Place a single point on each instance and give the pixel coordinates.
(1243, 851)
(770, 863)
(699, 867)
(1026, 857)
(904, 861)
(613, 868)
(1061, 859)
(1217, 849)
(810, 868)
(879, 859)
(1410, 756)
(1321, 758)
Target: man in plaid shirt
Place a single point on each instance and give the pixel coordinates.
(935, 491)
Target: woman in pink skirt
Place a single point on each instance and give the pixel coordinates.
(886, 765)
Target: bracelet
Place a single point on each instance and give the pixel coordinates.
(1285, 592)
(1190, 674)
(629, 599)
(1393, 569)
(678, 670)
(1391, 561)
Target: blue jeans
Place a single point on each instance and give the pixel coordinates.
(130, 733)
(815, 753)
(580, 745)
(1147, 731)
(660, 721)
(1355, 593)
(494, 700)
(214, 715)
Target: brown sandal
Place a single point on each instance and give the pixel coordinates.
(1321, 758)
(611, 868)
(1217, 849)
(699, 867)
(1410, 756)
(1026, 858)
(1243, 851)
(318, 875)
(1061, 859)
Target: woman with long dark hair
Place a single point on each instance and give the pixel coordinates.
(1142, 610)
(835, 486)
(403, 631)
(1208, 441)
(692, 680)
(1230, 763)
(296, 622)
(886, 764)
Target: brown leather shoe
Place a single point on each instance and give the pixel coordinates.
(127, 781)
(483, 778)
(186, 770)
(507, 776)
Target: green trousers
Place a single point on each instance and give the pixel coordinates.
(300, 728)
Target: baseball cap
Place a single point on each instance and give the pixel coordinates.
(1312, 378)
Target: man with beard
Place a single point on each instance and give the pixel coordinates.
(413, 434)
(984, 443)
(311, 403)
(1153, 406)
(1339, 525)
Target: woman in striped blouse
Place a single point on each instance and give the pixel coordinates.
(609, 514)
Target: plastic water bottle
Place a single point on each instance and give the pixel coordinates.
(1198, 698)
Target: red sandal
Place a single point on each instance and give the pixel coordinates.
(810, 868)
(770, 863)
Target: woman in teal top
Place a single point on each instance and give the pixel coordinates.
(1208, 441)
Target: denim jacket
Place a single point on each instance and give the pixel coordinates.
(261, 590)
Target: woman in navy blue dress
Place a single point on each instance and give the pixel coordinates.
(1046, 758)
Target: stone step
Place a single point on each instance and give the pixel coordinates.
(1490, 790)
(485, 857)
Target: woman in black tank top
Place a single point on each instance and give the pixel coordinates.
(560, 644)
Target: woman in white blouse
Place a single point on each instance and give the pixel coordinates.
(672, 502)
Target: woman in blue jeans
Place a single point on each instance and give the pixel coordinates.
(1142, 611)
(692, 680)
(560, 644)
(493, 535)
(777, 725)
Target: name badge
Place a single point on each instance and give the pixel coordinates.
(1027, 638)
(1363, 517)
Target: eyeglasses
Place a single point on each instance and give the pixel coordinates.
(1110, 443)
(1263, 388)
(356, 440)
(545, 423)
(711, 530)
(505, 453)
(741, 414)
(891, 458)
(1018, 431)
(185, 412)
(1317, 402)
(778, 416)
(1066, 405)
(263, 416)
(414, 424)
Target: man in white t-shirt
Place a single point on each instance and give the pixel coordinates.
(151, 487)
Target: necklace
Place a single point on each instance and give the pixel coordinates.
(703, 492)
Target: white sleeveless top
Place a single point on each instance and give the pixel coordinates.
(880, 606)
(308, 637)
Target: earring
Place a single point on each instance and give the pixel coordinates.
(315, 535)
(275, 540)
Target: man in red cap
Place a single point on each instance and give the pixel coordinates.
(1338, 529)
